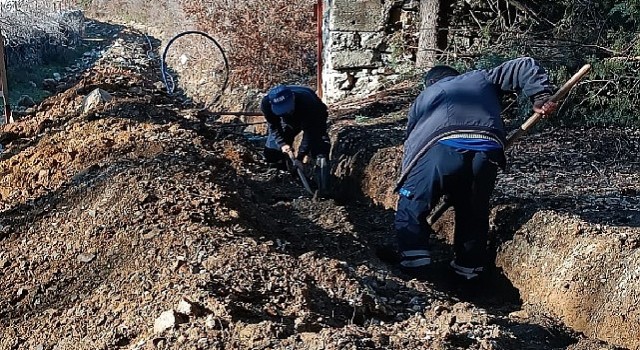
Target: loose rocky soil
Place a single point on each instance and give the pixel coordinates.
(140, 225)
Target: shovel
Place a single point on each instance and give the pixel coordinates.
(559, 95)
(301, 174)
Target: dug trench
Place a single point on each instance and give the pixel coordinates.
(564, 225)
(139, 225)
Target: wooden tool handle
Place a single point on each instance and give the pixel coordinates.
(559, 95)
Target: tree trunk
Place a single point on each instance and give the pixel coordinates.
(428, 39)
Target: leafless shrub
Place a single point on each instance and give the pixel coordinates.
(34, 27)
(267, 41)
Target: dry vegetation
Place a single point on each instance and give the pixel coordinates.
(196, 67)
(137, 225)
(36, 28)
(268, 41)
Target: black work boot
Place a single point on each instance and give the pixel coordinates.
(416, 263)
(388, 254)
(322, 176)
(416, 266)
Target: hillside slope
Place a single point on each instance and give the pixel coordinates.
(139, 225)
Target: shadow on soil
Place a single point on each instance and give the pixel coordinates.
(71, 284)
(287, 218)
(299, 225)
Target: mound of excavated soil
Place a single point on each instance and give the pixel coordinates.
(587, 275)
(137, 226)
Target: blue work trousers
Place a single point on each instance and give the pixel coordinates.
(468, 178)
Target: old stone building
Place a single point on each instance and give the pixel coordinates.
(367, 45)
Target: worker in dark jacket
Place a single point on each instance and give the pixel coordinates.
(288, 111)
(454, 146)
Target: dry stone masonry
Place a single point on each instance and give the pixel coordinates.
(365, 45)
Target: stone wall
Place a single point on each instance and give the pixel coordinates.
(367, 44)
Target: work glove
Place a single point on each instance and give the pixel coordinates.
(297, 164)
(543, 105)
(287, 149)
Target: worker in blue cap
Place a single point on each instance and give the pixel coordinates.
(290, 110)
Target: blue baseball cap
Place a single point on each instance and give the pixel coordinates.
(282, 100)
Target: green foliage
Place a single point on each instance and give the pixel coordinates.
(626, 12)
(399, 44)
(84, 4)
(562, 36)
(609, 96)
(27, 80)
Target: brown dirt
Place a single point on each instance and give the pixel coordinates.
(114, 217)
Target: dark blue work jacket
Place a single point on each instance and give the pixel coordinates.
(467, 103)
(310, 116)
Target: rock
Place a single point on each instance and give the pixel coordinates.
(86, 257)
(26, 101)
(57, 76)
(180, 260)
(43, 174)
(354, 59)
(349, 82)
(190, 308)
(21, 293)
(167, 320)
(49, 85)
(159, 85)
(359, 16)
(64, 86)
(345, 41)
(94, 99)
(520, 314)
(440, 309)
(212, 322)
(372, 40)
